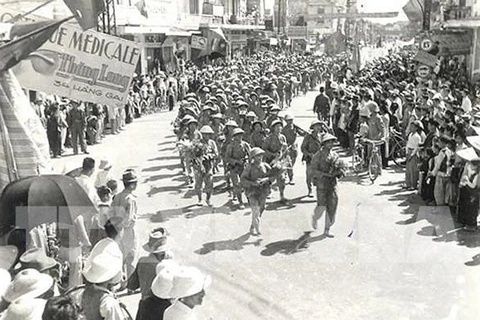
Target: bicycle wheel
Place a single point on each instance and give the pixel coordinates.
(374, 166)
(397, 154)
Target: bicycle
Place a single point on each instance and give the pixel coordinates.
(397, 148)
(375, 160)
(358, 157)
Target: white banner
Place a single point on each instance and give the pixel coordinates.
(199, 43)
(83, 65)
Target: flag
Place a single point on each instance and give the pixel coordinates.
(355, 64)
(24, 149)
(86, 11)
(335, 44)
(217, 43)
(18, 49)
(413, 10)
(142, 7)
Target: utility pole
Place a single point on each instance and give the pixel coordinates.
(279, 15)
(427, 10)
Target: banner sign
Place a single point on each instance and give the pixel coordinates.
(476, 56)
(199, 43)
(83, 65)
(426, 58)
(453, 43)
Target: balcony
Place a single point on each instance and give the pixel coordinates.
(457, 13)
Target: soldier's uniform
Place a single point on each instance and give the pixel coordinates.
(290, 133)
(325, 162)
(236, 156)
(203, 169)
(310, 145)
(256, 193)
(274, 145)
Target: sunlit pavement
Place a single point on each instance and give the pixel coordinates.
(390, 258)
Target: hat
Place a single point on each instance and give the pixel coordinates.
(105, 164)
(35, 259)
(217, 116)
(372, 106)
(157, 241)
(395, 92)
(129, 176)
(231, 123)
(102, 268)
(25, 309)
(258, 122)
(275, 108)
(181, 282)
(315, 122)
(237, 131)
(251, 114)
(256, 152)
(288, 117)
(192, 121)
(207, 130)
(474, 141)
(419, 124)
(5, 279)
(275, 122)
(468, 154)
(8, 256)
(364, 112)
(28, 283)
(328, 137)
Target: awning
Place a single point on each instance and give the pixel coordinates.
(468, 23)
(169, 31)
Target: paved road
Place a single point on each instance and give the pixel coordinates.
(401, 261)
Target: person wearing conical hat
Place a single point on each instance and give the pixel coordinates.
(326, 168)
(205, 154)
(158, 251)
(124, 206)
(236, 157)
(256, 181)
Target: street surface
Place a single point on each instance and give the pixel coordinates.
(401, 261)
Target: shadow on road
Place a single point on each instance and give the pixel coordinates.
(165, 158)
(228, 245)
(474, 262)
(167, 149)
(174, 189)
(165, 166)
(291, 246)
(166, 142)
(165, 215)
(162, 176)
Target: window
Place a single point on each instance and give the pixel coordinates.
(194, 7)
(320, 10)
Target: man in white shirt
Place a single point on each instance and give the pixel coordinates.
(85, 179)
(466, 102)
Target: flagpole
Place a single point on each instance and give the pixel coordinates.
(23, 15)
(8, 148)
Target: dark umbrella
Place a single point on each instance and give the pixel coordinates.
(31, 201)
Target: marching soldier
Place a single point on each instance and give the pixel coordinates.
(326, 169)
(272, 115)
(256, 181)
(204, 156)
(236, 157)
(257, 137)
(229, 127)
(310, 145)
(276, 155)
(290, 133)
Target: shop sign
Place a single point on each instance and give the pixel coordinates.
(84, 65)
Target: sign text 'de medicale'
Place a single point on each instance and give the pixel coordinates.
(84, 65)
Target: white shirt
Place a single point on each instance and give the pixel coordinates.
(466, 104)
(87, 185)
(179, 311)
(102, 178)
(414, 141)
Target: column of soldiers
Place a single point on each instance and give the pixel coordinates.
(244, 134)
